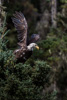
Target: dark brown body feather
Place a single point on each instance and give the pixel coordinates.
(24, 58)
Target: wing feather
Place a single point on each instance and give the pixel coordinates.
(34, 38)
(20, 24)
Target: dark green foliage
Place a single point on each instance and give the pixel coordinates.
(62, 81)
(50, 95)
(21, 81)
(54, 51)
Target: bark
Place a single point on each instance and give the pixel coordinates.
(0, 12)
(54, 13)
(43, 25)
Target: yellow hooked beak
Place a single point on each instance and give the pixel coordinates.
(37, 47)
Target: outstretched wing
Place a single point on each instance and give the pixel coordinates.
(34, 38)
(20, 24)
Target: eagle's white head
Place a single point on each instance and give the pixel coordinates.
(32, 46)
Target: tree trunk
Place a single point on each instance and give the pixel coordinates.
(0, 12)
(54, 13)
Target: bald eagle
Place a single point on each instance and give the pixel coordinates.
(26, 46)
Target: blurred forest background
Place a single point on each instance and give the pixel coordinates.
(44, 74)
